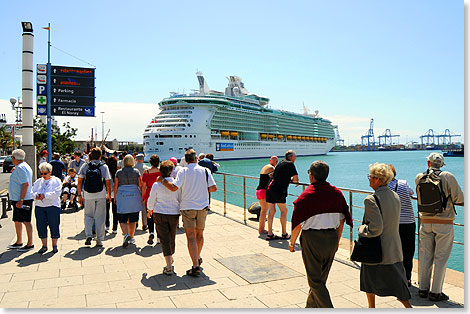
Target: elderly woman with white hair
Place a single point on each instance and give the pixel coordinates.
(128, 198)
(382, 218)
(46, 191)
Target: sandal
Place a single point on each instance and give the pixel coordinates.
(167, 271)
(194, 271)
(285, 236)
(270, 237)
(200, 261)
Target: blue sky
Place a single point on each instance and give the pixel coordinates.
(399, 62)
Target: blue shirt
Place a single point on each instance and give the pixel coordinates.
(22, 174)
(207, 163)
(57, 168)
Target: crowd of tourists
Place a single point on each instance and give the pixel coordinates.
(166, 190)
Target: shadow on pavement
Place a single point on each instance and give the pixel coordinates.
(35, 258)
(119, 251)
(84, 253)
(416, 300)
(148, 251)
(8, 256)
(79, 236)
(162, 282)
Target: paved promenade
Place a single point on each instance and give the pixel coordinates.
(240, 270)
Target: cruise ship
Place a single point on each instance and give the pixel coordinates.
(234, 124)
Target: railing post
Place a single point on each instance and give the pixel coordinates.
(419, 225)
(244, 199)
(350, 228)
(225, 197)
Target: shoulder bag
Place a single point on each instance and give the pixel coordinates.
(368, 250)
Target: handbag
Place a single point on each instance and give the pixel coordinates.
(368, 250)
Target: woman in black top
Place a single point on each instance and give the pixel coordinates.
(264, 177)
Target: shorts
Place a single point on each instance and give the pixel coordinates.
(261, 194)
(68, 190)
(129, 217)
(274, 197)
(194, 219)
(21, 214)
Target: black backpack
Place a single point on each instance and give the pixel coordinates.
(431, 197)
(93, 180)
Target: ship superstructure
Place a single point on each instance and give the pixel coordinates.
(234, 124)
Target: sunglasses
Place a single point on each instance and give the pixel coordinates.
(370, 177)
(44, 173)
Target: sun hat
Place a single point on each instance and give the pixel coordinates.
(436, 158)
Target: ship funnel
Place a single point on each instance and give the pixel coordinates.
(203, 87)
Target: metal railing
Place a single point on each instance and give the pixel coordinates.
(246, 187)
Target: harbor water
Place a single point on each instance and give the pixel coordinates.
(347, 170)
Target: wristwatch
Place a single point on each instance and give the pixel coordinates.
(21, 199)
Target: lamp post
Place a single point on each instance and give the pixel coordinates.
(16, 106)
(102, 127)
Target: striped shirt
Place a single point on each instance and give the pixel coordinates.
(404, 191)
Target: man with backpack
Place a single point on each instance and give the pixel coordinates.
(94, 178)
(438, 192)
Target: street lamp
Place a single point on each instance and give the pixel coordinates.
(15, 106)
(102, 127)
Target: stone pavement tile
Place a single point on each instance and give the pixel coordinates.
(455, 294)
(21, 276)
(11, 268)
(69, 302)
(133, 283)
(220, 283)
(279, 299)
(102, 261)
(103, 306)
(339, 289)
(16, 286)
(5, 278)
(14, 305)
(352, 283)
(243, 292)
(88, 270)
(164, 303)
(390, 305)
(60, 265)
(96, 278)
(88, 288)
(58, 282)
(294, 283)
(340, 302)
(360, 298)
(199, 299)
(29, 295)
(238, 304)
(125, 266)
(238, 280)
(338, 277)
(150, 293)
(95, 299)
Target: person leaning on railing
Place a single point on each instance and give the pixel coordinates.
(382, 218)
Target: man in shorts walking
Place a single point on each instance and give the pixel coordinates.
(20, 189)
(196, 183)
(276, 193)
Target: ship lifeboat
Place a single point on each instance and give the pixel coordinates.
(303, 138)
(263, 136)
(233, 133)
(270, 136)
(289, 137)
(224, 133)
(310, 138)
(280, 136)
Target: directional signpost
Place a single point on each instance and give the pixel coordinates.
(72, 91)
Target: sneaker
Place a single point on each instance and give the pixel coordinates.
(150, 240)
(106, 229)
(127, 238)
(54, 249)
(423, 293)
(438, 296)
(168, 271)
(88, 241)
(114, 231)
(99, 244)
(42, 250)
(132, 241)
(26, 248)
(15, 246)
(144, 228)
